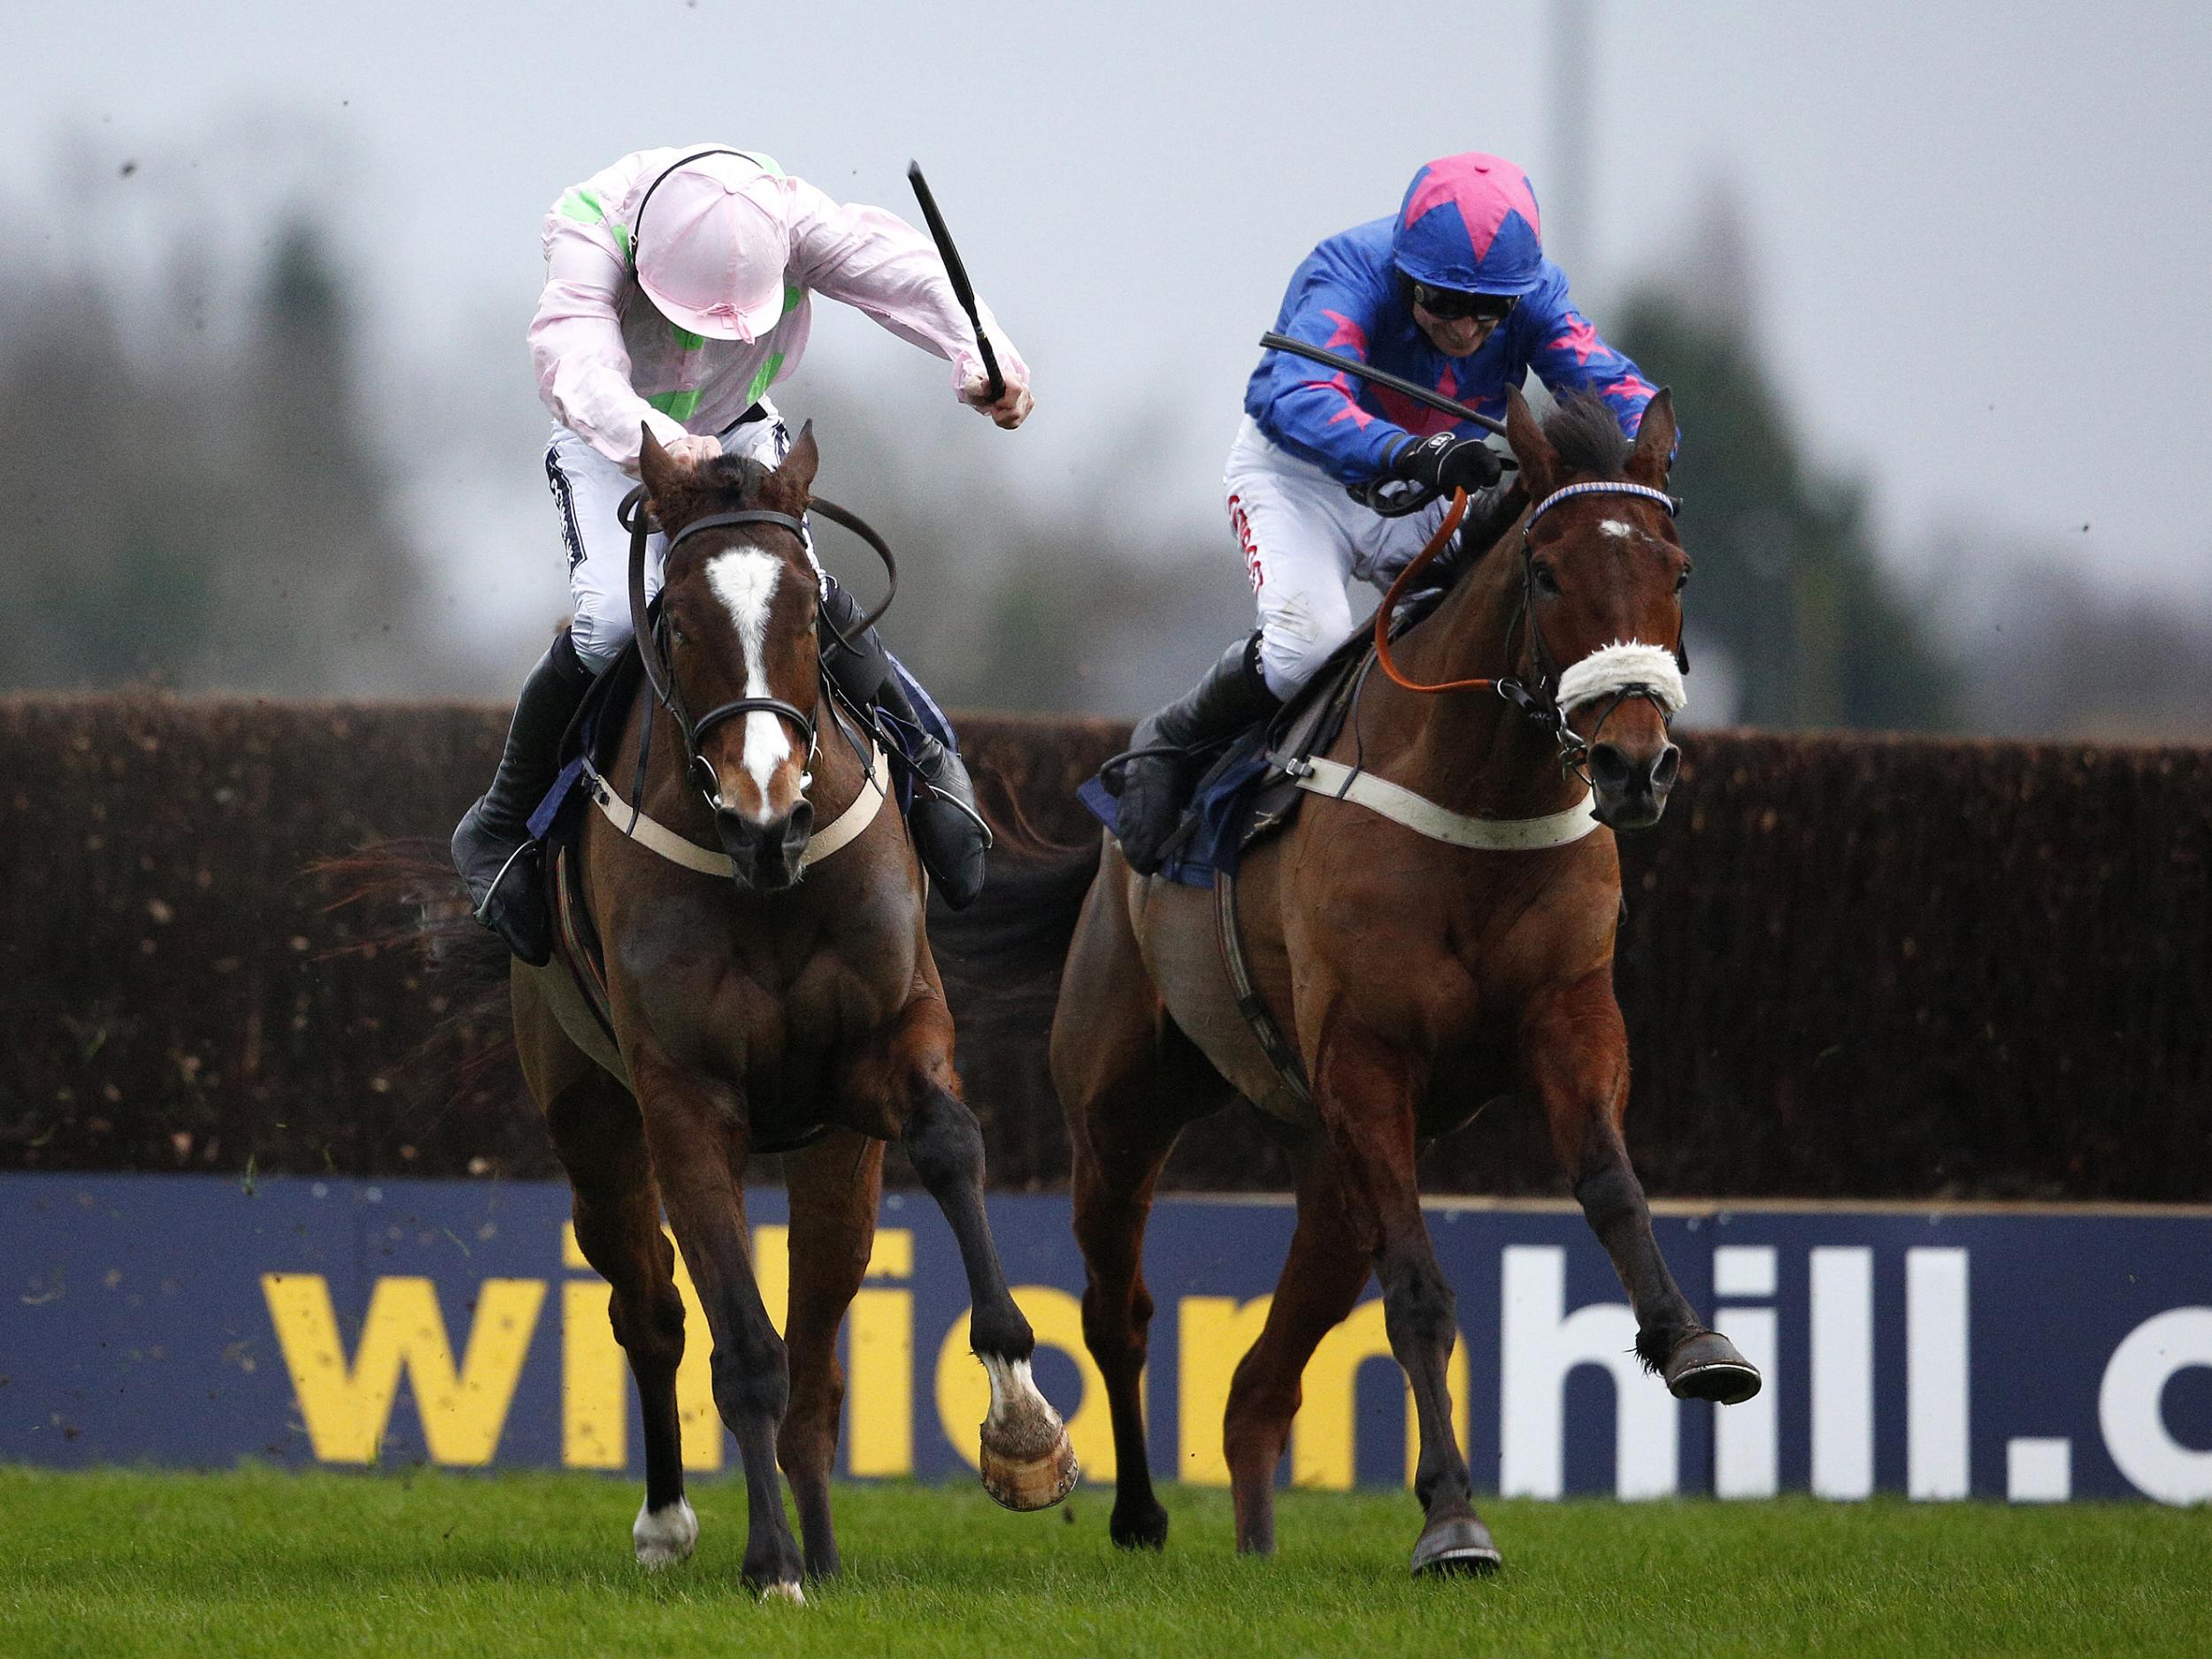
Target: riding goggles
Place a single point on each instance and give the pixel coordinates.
(1453, 302)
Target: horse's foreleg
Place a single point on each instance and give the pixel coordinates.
(1322, 1278)
(834, 1189)
(1575, 1054)
(601, 1141)
(1028, 1462)
(1367, 1089)
(694, 1128)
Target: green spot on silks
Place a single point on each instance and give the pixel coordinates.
(791, 295)
(622, 240)
(767, 162)
(676, 405)
(686, 341)
(582, 205)
(765, 379)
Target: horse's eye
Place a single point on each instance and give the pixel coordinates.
(1682, 581)
(1547, 580)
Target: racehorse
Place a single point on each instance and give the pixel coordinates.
(749, 1012)
(1413, 966)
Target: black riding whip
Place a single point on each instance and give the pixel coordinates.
(995, 386)
(1368, 372)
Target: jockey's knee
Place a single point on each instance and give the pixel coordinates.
(1296, 636)
(599, 640)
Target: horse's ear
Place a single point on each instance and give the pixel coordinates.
(805, 458)
(1539, 462)
(1654, 452)
(655, 469)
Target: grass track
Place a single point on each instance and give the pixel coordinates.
(258, 1562)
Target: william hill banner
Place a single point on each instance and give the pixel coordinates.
(2034, 1355)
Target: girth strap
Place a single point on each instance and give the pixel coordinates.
(1250, 1003)
(1423, 817)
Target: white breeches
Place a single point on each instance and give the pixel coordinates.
(1303, 539)
(587, 489)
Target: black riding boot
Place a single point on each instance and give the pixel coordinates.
(1154, 786)
(950, 837)
(492, 849)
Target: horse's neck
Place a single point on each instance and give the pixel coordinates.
(1467, 751)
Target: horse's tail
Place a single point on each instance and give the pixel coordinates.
(407, 898)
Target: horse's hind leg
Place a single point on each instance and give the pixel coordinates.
(836, 1186)
(1322, 1278)
(1027, 1463)
(1575, 1055)
(596, 1131)
(1128, 1081)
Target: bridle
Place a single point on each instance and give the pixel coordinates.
(649, 627)
(1536, 696)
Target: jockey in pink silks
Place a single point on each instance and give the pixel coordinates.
(678, 290)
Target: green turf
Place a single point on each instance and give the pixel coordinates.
(115, 1562)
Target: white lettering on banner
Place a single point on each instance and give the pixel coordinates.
(2130, 1411)
(1842, 1381)
(1540, 1342)
(1936, 1443)
(1746, 1450)
(2039, 1470)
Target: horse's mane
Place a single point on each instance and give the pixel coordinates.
(729, 481)
(1586, 434)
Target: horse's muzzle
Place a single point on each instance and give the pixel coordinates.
(765, 857)
(1631, 787)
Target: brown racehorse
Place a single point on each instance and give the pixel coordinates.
(753, 1013)
(1417, 979)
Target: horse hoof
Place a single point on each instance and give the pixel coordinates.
(1145, 1530)
(1707, 1366)
(1027, 1463)
(1460, 1548)
(1035, 1481)
(786, 1590)
(664, 1536)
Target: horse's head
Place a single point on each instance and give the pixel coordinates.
(1603, 572)
(739, 603)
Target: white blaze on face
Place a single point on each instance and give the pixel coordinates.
(745, 580)
(1615, 527)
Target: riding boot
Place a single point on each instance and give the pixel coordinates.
(950, 837)
(1156, 784)
(492, 849)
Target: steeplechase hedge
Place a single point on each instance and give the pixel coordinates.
(1852, 966)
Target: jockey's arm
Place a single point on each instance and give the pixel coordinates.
(576, 344)
(877, 263)
(1568, 357)
(1313, 413)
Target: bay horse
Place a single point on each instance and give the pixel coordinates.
(1414, 978)
(748, 1012)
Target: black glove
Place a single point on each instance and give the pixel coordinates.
(1445, 462)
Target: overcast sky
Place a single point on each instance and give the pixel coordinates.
(1978, 237)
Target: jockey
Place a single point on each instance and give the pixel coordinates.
(679, 320)
(1452, 291)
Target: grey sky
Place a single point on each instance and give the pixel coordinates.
(1980, 238)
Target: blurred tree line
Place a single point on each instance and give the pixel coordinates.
(194, 500)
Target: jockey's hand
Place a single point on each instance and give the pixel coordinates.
(1012, 407)
(1445, 462)
(694, 451)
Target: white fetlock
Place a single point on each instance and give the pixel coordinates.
(665, 1537)
(1028, 1462)
(788, 1591)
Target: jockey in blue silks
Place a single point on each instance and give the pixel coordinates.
(1452, 291)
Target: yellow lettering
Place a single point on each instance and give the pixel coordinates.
(964, 1393)
(347, 1408)
(1214, 1333)
(595, 1381)
(880, 1365)
(1325, 1445)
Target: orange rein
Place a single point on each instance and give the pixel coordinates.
(1452, 515)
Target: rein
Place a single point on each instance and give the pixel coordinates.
(1540, 703)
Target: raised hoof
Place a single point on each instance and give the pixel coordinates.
(1146, 1531)
(1707, 1366)
(1034, 1481)
(786, 1591)
(1455, 1548)
(664, 1536)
